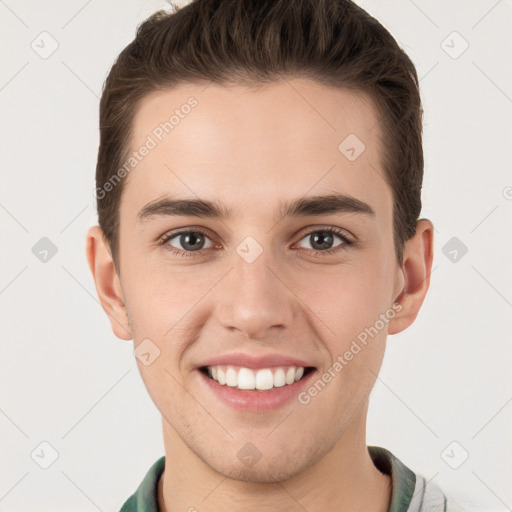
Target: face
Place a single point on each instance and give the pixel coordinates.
(301, 286)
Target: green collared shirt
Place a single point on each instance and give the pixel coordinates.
(409, 491)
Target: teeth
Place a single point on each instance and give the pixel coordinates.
(263, 379)
(246, 379)
(221, 376)
(279, 378)
(231, 377)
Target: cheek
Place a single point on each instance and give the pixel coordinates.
(348, 306)
(159, 295)
(166, 299)
(355, 340)
(348, 298)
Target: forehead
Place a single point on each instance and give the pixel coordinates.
(249, 146)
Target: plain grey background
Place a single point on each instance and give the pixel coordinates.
(442, 402)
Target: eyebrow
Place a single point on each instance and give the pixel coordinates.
(300, 207)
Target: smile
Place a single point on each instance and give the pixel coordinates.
(262, 379)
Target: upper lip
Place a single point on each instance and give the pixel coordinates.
(253, 361)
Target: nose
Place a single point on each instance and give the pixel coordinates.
(254, 298)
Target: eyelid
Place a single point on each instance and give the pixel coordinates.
(306, 231)
(189, 229)
(335, 229)
(347, 238)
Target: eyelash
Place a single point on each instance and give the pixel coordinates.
(185, 254)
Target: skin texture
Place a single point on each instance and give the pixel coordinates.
(249, 149)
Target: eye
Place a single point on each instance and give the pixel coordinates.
(322, 240)
(187, 242)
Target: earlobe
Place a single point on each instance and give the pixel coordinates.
(416, 269)
(108, 286)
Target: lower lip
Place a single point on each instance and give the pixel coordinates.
(252, 400)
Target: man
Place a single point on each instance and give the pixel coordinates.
(259, 189)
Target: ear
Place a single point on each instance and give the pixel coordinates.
(416, 269)
(108, 285)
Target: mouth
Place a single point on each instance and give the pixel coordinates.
(256, 380)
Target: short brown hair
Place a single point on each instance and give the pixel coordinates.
(253, 42)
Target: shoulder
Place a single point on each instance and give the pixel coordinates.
(411, 491)
(130, 504)
(145, 498)
(429, 497)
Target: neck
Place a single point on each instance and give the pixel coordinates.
(344, 479)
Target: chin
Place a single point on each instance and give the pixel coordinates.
(268, 470)
(263, 474)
